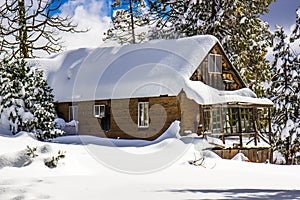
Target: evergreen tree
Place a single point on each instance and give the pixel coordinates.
(26, 102)
(129, 15)
(31, 25)
(237, 24)
(284, 90)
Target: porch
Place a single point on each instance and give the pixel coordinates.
(247, 122)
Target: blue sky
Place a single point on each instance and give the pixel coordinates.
(282, 13)
(95, 15)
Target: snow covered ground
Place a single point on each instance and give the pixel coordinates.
(96, 168)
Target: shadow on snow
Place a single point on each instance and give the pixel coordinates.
(239, 194)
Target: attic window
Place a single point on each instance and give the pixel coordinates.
(215, 63)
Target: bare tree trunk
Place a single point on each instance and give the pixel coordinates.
(23, 30)
(132, 22)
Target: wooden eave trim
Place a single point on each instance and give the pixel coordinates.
(237, 105)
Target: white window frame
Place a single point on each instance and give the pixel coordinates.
(99, 111)
(216, 61)
(143, 114)
(73, 113)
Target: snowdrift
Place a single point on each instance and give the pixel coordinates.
(82, 174)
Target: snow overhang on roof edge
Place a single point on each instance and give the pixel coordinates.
(206, 95)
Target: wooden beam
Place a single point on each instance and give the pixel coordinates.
(240, 128)
(255, 125)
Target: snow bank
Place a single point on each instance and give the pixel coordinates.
(80, 175)
(16, 159)
(59, 123)
(240, 157)
(278, 158)
(4, 130)
(171, 132)
(23, 158)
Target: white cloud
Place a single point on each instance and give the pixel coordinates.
(91, 14)
(88, 14)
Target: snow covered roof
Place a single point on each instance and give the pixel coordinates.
(159, 67)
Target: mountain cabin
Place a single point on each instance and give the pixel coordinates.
(137, 91)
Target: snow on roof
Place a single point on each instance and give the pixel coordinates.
(206, 95)
(159, 67)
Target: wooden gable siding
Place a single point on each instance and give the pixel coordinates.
(229, 74)
(123, 115)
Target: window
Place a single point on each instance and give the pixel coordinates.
(73, 113)
(216, 121)
(238, 120)
(143, 114)
(99, 111)
(264, 120)
(213, 120)
(206, 117)
(231, 120)
(247, 120)
(215, 63)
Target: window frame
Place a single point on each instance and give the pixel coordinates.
(216, 69)
(101, 112)
(73, 113)
(216, 120)
(142, 114)
(247, 120)
(213, 120)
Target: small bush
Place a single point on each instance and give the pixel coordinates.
(31, 152)
(53, 162)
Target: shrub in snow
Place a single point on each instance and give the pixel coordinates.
(31, 152)
(26, 102)
(53, 162)
(284, 91)
(59, 123)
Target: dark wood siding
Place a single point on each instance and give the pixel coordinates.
(228, 80)
(253, 154)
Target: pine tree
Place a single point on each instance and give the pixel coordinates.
(284, 91)
(126, 21)
(237, 24)
(12, 96)
(26, 102)
(30, 26)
